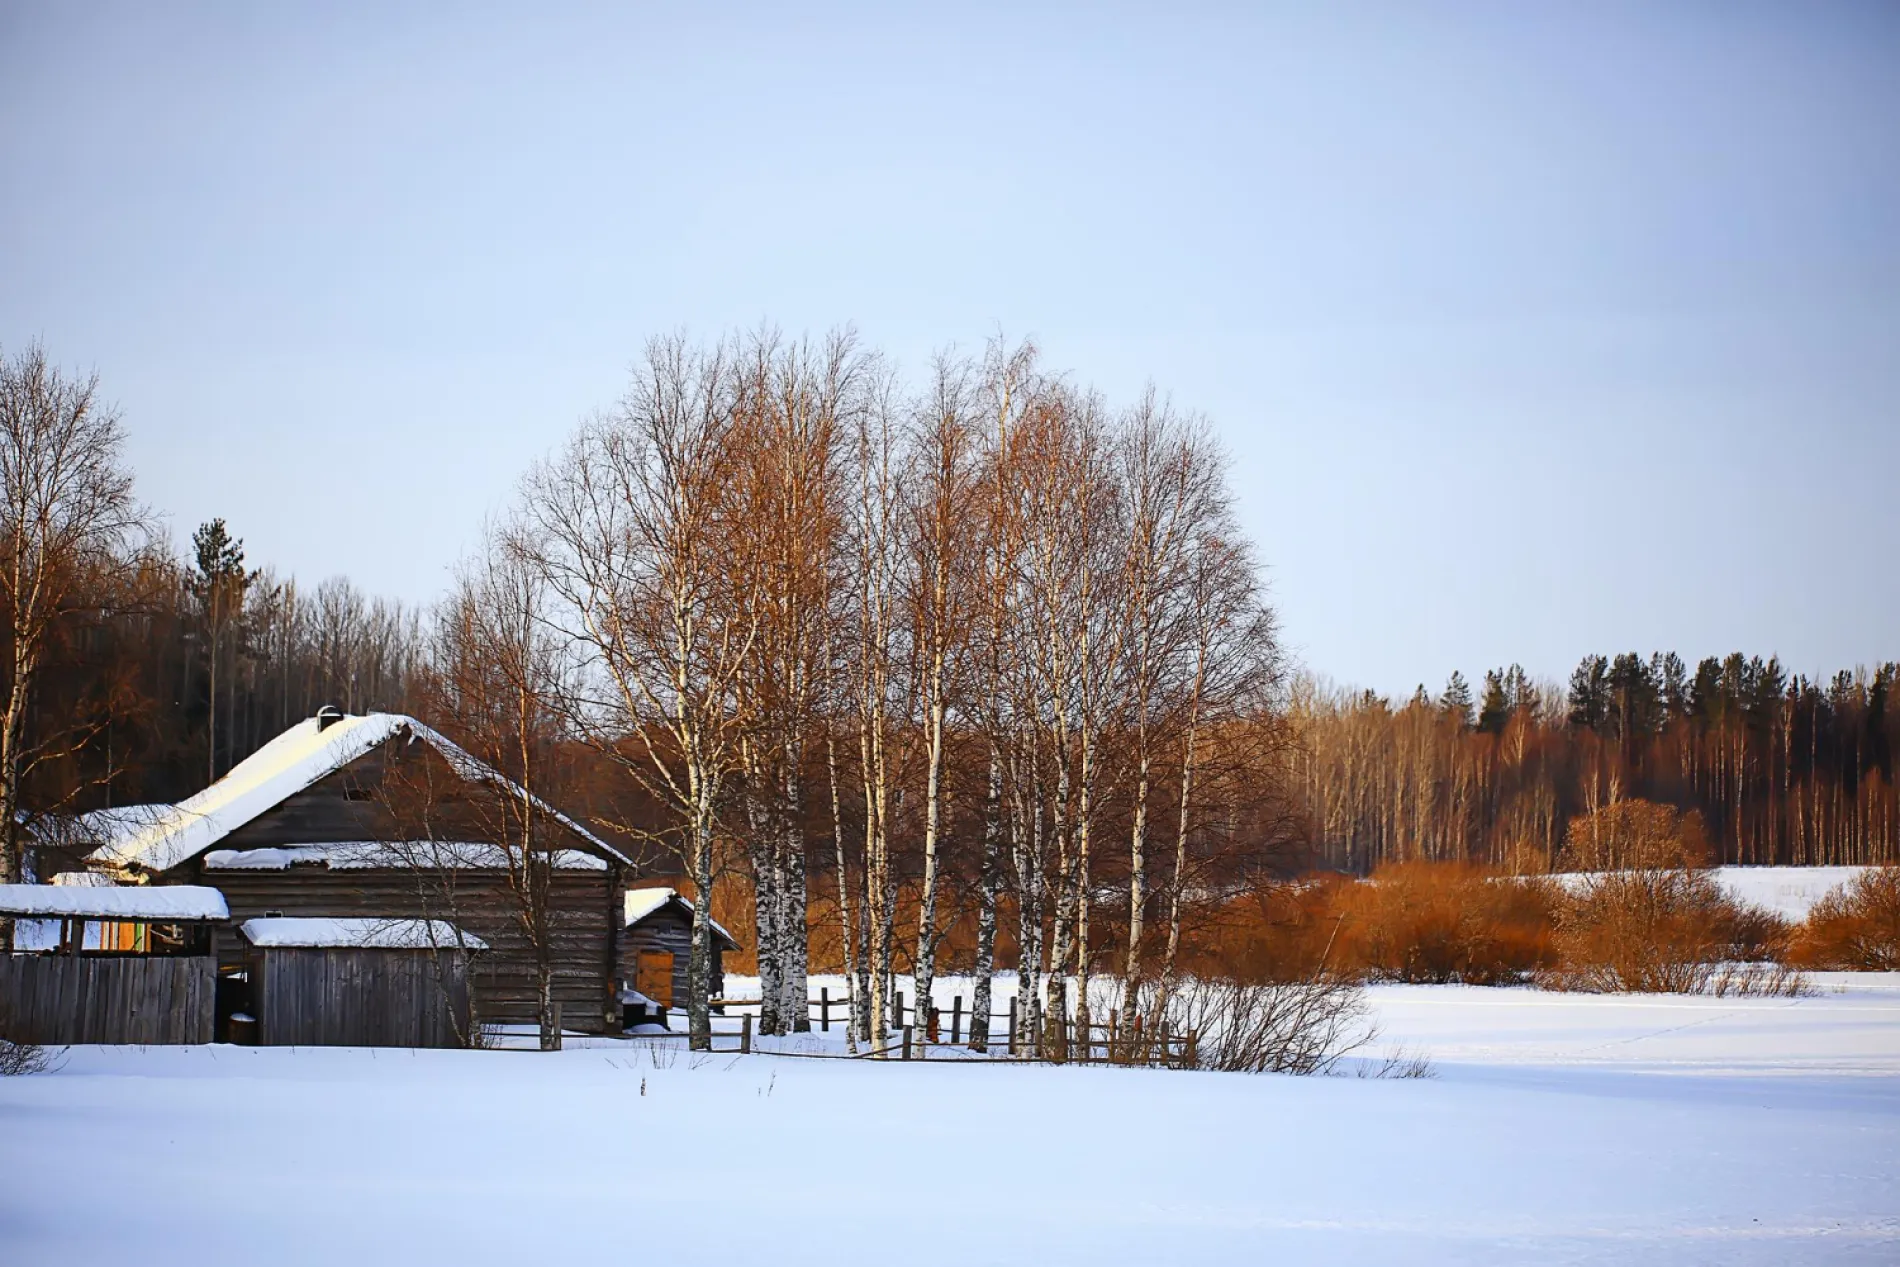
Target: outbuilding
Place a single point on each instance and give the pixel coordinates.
(354, 982)
(656, 948)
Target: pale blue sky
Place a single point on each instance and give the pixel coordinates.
(1533, 329)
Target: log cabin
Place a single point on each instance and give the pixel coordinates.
(654, 951)
(321, 822)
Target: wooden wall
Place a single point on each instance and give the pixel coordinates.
(585, 907)
(340, 997)
(668, 930)
(62, 999)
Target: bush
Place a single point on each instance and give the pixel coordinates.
(1856, 927)
(1636, 835)
(1441, 922)
(1651, 930)
(1298, 1027)
(23, 1058)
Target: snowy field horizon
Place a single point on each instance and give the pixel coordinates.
(1556, 1128)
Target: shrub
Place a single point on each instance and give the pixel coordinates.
(1855, 927)
(1650, 930)
(1298, 1027)
(1636, 835)
(1440, 922)
(17, 1059)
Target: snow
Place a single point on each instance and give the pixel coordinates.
(125, 902)
(1786, 891)
(1789, 892)
(357, 855)
(374, 934)
(1560, 1129)
(283, 767)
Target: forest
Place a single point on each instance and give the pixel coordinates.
(977, 672)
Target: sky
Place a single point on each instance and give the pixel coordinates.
(1532, 330)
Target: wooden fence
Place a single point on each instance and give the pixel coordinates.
(1067, 1042)
(349, 997)
(64, 999)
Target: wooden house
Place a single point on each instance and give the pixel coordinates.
(321, 823)
(655, 950)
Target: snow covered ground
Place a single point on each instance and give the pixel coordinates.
(1789, 892)
(1560, 1129)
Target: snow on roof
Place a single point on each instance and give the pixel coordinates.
(280, 769)
(362, 855)
(644, 902)
(278, 931)
(101, 825)
(126, 902)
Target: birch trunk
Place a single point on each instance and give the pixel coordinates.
(986, 904)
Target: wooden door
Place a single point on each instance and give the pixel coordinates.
(653, 976)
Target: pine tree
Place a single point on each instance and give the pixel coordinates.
(218, 582)
(1456, 701)
(1590, 693)
(1495, 710)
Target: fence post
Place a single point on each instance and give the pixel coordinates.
(1012, 1025)
(1114, 1036)
(745, 1033)
(956, 1020)
(824, 1008)
(906, 1042)
(1190, 1057)
(1134, 1042)
(932, 1031)
(1167, 1054)
(900, 1011)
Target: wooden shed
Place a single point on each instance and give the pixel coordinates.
(312, 825)
(655, 951)
(127, 964)
(359, 982)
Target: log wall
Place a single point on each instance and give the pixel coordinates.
(580, 941)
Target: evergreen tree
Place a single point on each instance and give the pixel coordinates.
(1590, 693)
(1495, 709)
(218, 581)
(1456, 701)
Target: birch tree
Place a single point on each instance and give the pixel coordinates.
(637, 528)
(941, 486)
(67, 516)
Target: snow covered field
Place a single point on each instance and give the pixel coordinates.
(1560, 1129)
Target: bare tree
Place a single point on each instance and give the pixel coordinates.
(941, 483)
(502, 675)
(637, 524)
(66, 519)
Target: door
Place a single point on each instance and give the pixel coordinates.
(653, 976)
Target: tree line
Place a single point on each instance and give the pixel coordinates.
(1783, 769)
(134, 673)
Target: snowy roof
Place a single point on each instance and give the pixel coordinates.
(280, 769)
(278, 931)
(363, 855)
(125, 902)
(642, 903)
(97, 826)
